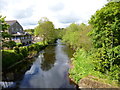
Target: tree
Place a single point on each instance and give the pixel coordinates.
(76, 36)
(106, 24)
(4, 26)
(45, 30)
(30, 31)
(106, 37)
(5, 35)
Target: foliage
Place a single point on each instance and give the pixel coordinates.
(9, 57)
(106, 40)
(9, 44)
(76, 36)
(18, 44)
(59, 33)
(30, 31)
(16, 49)
(45, 30)
(24, 51)
(82, 65)
(19, 53)
(106, 24)
(103, 60)
(5, 35)
(3, 24)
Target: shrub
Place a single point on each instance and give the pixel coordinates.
(18, 44)
(24, 51)
(82, 65)
(11, 44)
(16, 49)
(9, 58)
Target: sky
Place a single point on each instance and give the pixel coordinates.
(61, 12)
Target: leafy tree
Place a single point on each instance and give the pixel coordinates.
(4, 26)
(9, 44)
(4, 33)
(76, 36)
(30, 31)
(45, 30)
(106, 38)
(106, 23)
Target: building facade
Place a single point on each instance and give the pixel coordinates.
(18, 34)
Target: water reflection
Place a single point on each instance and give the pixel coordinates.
(50, 70)
(11, 76)
(49, 58)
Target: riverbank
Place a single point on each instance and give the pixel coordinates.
(47, 70)
(10, 57)
(83, 74)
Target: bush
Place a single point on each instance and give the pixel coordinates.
(16, 49)
(82, 65)
(24, 51)
(9, 44)
(18, 44)
(10, 57)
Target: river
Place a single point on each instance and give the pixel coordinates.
(49, 69)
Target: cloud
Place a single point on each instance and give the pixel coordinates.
(24, 13)
(2, 4)
(60, 12)
(56, 7)
(66, 18)
(28, 22)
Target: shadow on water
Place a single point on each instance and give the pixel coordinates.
(12, 76)
(49, 69)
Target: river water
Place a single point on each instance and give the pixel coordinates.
(50, 69)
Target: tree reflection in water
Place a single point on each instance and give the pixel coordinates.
(16, 72)
(49, 58)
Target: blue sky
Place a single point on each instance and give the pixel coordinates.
(61, 12)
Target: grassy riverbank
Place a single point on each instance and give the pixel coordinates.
(97, 47)
(83, 67)
(10, 57)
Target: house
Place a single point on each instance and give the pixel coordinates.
(17, 33)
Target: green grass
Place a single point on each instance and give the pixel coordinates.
(8, 50)
(9, 57)
(41, 43)
(83, 67)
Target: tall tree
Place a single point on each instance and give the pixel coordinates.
(106, 24)
(45, 30)
(3, 27)
(4, 34)
(106, 36)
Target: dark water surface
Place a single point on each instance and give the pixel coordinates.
(50, 69)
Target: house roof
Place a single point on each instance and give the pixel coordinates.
(11, 22)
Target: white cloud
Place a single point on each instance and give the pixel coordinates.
(60, 12)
